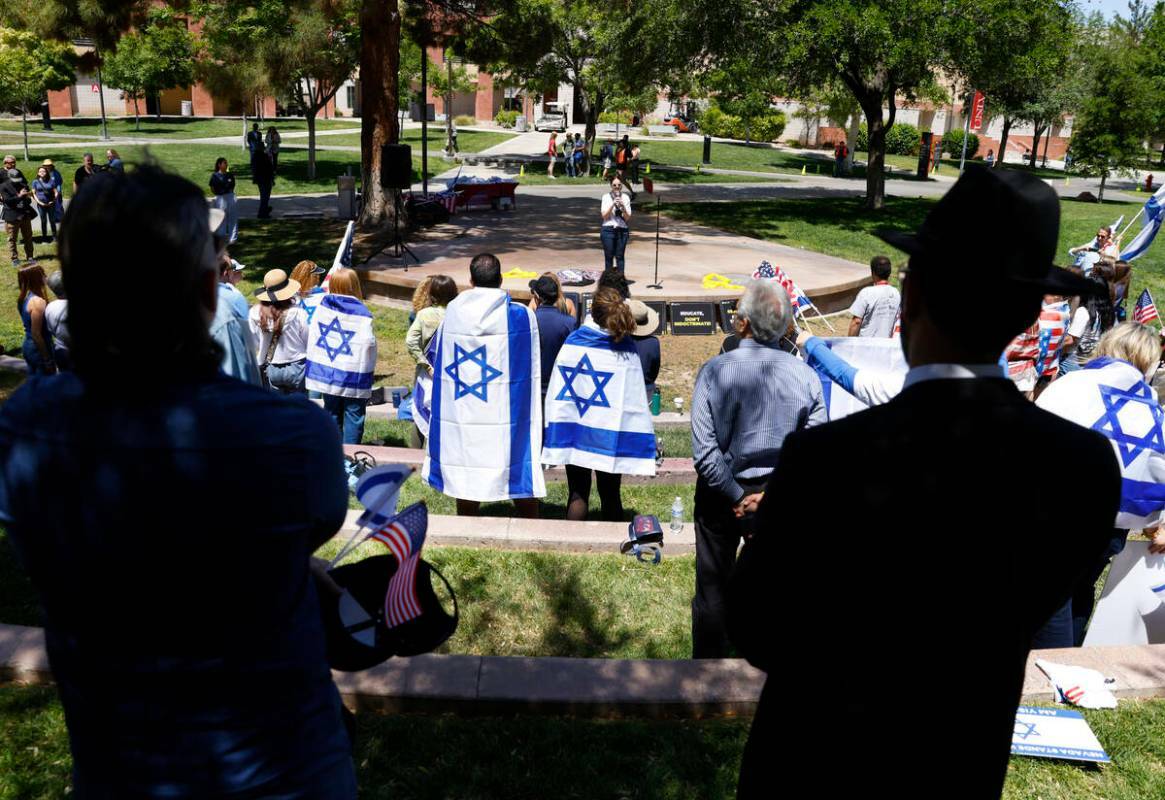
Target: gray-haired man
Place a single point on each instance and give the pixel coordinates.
(746, 402)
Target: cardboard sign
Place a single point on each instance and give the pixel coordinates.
(585, 308)
(728, 316)
(659, 307)
(693, 319)
(1055, 733)
(1131, 609)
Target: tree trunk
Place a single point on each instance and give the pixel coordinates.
(24, 127)
(871, 103)
(157, 106)
(1039, 130)
(1100, 192)
(379, 64)
(311, 145)
(1003, 143)
(851, 139)
(137, 115)
(448, 102)
(244, 127)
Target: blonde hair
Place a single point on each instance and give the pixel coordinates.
(1133, 342)
(421, 297)
(345, 281)
(562, 304)
(305, 274)
(612, 314)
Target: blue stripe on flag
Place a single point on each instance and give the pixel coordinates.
(619, 444)
(1142, 498)
(435, 479)
(521, 361)
(345, 304)
(589, 337)
(340, 378)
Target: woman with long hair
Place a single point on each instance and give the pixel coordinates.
(341, 355)
(439, 291)
(615, 210)
(596, 409)
(279, 325)
(37, 345)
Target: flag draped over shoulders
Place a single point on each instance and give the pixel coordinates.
(341, 348)
(596, 406)
(482, 412)
(1111, 397)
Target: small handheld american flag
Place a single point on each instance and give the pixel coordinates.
(1145, 311)
(404, 535)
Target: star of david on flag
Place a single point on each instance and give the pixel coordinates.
(463, 387)
(345, 346)
(599, 381)
(1137, 400)
(1024, 729)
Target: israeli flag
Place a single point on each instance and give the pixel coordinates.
(311, 302)
(596, 406)
(484, 407)
(1151, 217)
(341, 348)
(1112, 398)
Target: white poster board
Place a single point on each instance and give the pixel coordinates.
(1055, 733)
(876, 354)
(1132, 606)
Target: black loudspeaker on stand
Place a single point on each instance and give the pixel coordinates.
(396, 174)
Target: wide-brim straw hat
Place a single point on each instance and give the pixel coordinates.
(276, 287)
(646, 317)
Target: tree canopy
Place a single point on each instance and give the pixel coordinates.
(29, 67)
(157, 56)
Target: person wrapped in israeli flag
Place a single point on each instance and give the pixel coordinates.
(341, 354)
(1110, 395)
(482, 412)
(596, 406)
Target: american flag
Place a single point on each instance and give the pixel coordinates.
(1053, 324)
(1145, 311)
(404, 536)
(343, 254)
(798, 298)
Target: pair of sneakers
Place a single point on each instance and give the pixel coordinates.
(28, 262)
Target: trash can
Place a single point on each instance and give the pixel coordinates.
(187, 108)
(520, 124)
(346, 197)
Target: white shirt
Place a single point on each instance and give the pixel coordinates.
(1079, 323)
(56, 315)
(877, 307)
(939, 372)
(292, 344)
(614, 221)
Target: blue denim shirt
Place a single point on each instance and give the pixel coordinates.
(167, 530)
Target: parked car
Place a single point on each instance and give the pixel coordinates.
(682, 124)
(551, 121)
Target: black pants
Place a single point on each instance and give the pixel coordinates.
(578, 482)
(1068, 625)
(47, 218)
(718, 536)
(264, 200)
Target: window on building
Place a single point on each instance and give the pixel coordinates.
(351, 97)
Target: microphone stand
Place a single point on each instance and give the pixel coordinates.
(656, 284)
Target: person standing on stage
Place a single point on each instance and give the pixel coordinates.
(616, 211)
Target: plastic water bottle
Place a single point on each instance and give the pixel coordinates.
(677, 516)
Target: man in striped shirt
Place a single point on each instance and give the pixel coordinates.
(746, 402)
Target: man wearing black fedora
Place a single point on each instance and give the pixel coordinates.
(904, 638)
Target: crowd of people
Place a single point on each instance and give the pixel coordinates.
(929, 550)
(619, 158)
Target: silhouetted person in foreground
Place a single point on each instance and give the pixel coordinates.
(181, 619)
(896, 648)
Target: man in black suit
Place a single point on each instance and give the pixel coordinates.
(900, 664)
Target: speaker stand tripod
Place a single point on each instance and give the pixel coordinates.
(396, 247)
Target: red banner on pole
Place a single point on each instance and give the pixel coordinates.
(977, 106)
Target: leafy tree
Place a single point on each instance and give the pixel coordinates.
(743, 91)
(1121, 109)
(448, 81)
(881, 50)
(1017, 56)
(29, 67)
(157, 56)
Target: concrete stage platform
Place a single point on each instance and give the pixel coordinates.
(551, 230)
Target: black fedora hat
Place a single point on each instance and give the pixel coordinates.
(1027, 212)
(357, 636)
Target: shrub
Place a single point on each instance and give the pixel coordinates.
(467, 119)
(507, 119)
(953, 144)
(863, 141)
(615, 117)
(902, 140)
(768, 127)
(715, 122)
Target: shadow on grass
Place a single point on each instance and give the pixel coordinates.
(18, 601)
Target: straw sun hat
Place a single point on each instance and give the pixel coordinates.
(276, 287)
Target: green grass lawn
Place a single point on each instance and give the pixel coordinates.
(536, 176)
(950, 166)
(841, 227)
(442, 755)
(173, 127)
